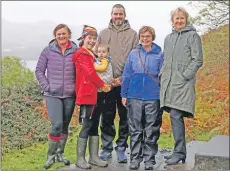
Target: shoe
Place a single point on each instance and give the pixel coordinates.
(168, 157)
(121, 157)
(175, 160)
(149, 166)
(105, 155)
(134, 165)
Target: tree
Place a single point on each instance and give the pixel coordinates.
(21, 106)
(14, 73)
(212, 14)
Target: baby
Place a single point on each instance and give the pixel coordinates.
(104, 70)
(103, 64)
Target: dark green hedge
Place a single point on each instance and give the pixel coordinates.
(21, 124)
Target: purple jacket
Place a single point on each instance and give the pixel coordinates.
(60, 78)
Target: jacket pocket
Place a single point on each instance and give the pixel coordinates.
(136, 85)
(87, 88)
(55, 89)
(180, 69)
(46, 89)
(70, 89)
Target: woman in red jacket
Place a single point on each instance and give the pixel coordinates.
(87, 85)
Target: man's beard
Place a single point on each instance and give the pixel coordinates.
(118, 22)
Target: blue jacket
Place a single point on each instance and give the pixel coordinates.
(136, 82)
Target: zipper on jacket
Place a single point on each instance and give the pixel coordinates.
(63, 75)
(144, 70)
(63, 55)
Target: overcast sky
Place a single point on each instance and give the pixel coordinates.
(95, 13)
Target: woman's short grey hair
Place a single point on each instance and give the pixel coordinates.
(180, 9)
(118, 6)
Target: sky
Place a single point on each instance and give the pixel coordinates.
(96, 13)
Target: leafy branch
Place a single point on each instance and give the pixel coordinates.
(212, 14)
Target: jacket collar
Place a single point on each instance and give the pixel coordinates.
(55, 47)
(156, 49)
(123, 27)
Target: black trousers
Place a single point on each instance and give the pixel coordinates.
(89, 121)
(107, 103)
(145, 119)
(178, 129)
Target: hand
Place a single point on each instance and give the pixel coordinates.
(116, 82)
(106, 88)
(123, 100)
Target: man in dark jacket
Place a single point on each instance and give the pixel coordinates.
(121, 39)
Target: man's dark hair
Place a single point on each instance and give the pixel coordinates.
(118, 6)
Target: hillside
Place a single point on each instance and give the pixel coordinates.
(213, 82)
(212, 88)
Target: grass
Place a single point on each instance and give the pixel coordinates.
(33, 158)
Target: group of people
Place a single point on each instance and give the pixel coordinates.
(121, 71)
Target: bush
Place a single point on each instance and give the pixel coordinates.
(22, 124)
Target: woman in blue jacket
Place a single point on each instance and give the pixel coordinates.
(140, 94)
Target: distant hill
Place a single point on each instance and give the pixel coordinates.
(26, 40)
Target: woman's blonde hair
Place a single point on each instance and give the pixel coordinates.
(144, 29)
(180, 9)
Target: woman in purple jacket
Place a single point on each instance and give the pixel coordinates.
(58, 87)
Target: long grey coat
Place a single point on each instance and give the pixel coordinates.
(182, 58)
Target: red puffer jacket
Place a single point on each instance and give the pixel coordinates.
(87, 80)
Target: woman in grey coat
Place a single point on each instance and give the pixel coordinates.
(182, 59)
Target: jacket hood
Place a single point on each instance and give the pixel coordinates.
(123, 27)
(156, 49)
(55, 47)
(187, 28)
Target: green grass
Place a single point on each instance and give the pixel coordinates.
(33, 158)
(204, 136)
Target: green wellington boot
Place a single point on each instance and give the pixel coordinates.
(93, 152)
(51, 153)
(81, 148)
(60, 151)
